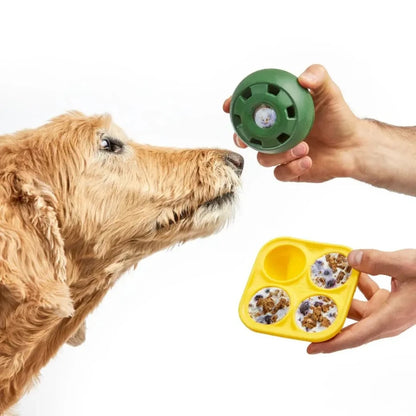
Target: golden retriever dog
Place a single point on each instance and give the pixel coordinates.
(80, 204)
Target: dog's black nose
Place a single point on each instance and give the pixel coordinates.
(236, 161)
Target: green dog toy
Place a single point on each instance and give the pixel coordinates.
(271, 112)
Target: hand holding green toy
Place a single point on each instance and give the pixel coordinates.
(343, 145)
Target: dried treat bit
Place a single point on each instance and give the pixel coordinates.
(325, 322)
(266, 304)
(340, 277)
(269, 305)
(308, 322)
(316, 313)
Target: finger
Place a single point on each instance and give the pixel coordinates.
(300, 150)
(226, 105)
(364, 331)
(238, 141)
(367, 286)
(317, 79)
(400, 264)
(293, 170)
(357, 310)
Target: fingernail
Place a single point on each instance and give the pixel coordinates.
(355, 257)
(299, 150)
(305, 163)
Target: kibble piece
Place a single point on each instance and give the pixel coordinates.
(266, 304)
(325, 322)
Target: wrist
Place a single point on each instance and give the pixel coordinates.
(364, 164)
(355, 160)
(384, 156)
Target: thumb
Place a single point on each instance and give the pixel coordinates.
(318, 81)
(399, 264)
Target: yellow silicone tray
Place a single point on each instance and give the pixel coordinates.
(291, 264)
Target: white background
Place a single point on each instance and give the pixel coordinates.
(167, 340)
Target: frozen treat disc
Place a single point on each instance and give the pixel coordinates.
(330, 271)
(316, 313)
(269, 305)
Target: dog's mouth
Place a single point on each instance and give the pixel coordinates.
(179, 217)
(219, 201)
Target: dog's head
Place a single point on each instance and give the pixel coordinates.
(121, 199)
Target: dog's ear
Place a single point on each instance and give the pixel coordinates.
(33, 262)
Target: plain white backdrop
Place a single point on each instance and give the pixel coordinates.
(167, 340)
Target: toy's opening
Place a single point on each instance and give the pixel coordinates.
(285, 262)
(265, 116)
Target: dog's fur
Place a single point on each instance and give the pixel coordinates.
(74, 215)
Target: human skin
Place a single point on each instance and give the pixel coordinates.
(342, 145)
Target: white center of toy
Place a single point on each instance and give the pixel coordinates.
(265, 116)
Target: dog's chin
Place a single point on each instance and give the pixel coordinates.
(213, 215)
(207, 218)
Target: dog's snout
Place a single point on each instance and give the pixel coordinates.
(236, 161)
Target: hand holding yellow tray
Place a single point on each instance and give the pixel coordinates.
(299, 289)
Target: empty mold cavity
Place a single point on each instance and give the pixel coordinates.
(285, 262)
(269, 305)
(290, 111)
(330, 271)
(317, 313)
(273, 89)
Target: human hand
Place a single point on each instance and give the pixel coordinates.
(385, 313)
(325, 153)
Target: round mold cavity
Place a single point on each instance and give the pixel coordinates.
(265, 116)
(269, 305)
(284, 262)
(315, 314)
(330, 271)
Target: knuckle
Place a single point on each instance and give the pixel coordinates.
(371, 260)
(408, 263)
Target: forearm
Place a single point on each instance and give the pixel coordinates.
(386, 156)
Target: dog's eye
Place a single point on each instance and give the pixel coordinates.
(110, 144)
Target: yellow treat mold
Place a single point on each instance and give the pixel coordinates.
(299, 289)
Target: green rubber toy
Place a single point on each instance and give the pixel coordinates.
(271, 112)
